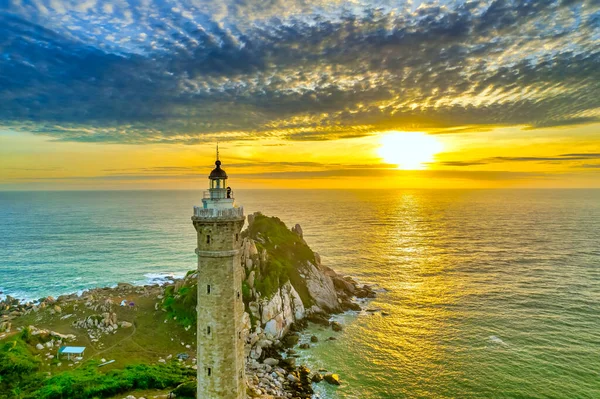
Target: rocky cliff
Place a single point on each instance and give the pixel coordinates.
(284, 283)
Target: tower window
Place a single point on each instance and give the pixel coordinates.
(239, 334)
(208, 239)
(208, 371)
(208, 289)
(238, 294)
(208, 330)
(237, 237)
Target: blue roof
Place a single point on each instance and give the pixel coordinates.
(72, 349)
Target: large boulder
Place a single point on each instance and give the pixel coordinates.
(321, 288)
(250, 279)
(298, 230)
(344, 285)
(332, 379)
(280, 311)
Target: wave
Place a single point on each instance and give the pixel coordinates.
(161, 278)
(495, 340)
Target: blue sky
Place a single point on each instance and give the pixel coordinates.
(290, 74)
(171, 71)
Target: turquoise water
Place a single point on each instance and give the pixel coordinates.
(490, 293)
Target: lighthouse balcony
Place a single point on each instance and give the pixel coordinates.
(217, 193)
(213, 213)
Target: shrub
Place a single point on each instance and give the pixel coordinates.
(18, 369)
(182, 303)
(88, 382)
(187, 390)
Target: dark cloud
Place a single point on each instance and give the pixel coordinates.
(592, 155)
(183, 72)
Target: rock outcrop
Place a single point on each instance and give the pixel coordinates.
(284, 283)
(321, 288)
(281, 310)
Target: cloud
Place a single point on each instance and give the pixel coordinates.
(555, 159)
(158, 71)
(277, 166)
(321, 174)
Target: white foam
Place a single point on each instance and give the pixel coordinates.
(162, 278)
(494, 339)
(20, 295)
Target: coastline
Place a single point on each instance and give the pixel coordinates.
(284, 287)
(292, 379)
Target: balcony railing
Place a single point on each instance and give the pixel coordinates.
(230, 213)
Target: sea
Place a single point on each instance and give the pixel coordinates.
(481, 293)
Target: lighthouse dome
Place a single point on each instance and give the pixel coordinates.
(218, 173)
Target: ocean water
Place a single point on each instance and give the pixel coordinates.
(490, 293)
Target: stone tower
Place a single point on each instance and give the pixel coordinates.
(220, 358)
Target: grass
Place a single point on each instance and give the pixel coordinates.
(154, 335)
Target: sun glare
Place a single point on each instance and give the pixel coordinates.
(409, 150)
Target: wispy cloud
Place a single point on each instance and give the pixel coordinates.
(159, 71)
(553, 159)
(321, 174)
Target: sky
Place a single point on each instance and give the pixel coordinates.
(98, 94)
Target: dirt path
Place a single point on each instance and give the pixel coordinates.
(110, 347)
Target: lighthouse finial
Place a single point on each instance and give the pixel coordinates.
(217, 150)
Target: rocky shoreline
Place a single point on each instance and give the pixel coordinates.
(273, 372)
(311, 292)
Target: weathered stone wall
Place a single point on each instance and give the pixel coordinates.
(220, 308)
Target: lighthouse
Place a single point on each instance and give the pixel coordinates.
(220, 342)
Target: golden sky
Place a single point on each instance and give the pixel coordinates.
(502, 157)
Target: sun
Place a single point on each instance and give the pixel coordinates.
(409, 150)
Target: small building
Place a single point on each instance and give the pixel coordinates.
(71, 350)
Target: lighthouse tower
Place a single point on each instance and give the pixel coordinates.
(220, 358)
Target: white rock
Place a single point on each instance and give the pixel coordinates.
(321, 289)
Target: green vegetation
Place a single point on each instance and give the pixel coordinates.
(180, 303)
(18, 368)
(90, 383)
(186, 390)
(20, 376)
(288, 253)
